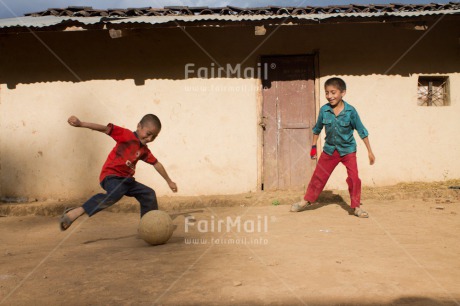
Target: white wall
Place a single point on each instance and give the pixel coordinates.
(410, 142)
(208, 142)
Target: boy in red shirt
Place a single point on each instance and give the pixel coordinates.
(117, 173)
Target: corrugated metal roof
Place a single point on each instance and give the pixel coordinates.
(45, 21)
(165, 19)
(83, 11)
(52, 20)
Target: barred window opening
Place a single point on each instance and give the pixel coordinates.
(433, 91)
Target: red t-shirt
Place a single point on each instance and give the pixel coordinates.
(124, 156)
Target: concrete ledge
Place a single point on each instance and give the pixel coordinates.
(438, 192)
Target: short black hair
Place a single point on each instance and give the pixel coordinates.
(336, 82)
(151, 118)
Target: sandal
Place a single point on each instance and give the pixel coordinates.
(64, 221)
(361, 213)
(296, 207)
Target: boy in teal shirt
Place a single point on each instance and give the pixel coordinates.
(340, 119)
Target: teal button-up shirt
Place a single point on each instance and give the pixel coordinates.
(339, 129)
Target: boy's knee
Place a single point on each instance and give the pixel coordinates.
(112, 199)
(355, 181)
(148, 202)
(150, 194)
(150, 198)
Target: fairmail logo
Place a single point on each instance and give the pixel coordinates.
(228, 71)
(228, 224)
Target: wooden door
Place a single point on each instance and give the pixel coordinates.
(288, 116)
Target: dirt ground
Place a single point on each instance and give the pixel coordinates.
(406, 253)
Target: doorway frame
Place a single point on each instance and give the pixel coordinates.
(260, 132)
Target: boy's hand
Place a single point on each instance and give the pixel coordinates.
(313, 152)
(173, 186)
(74, 121)
(371, 158)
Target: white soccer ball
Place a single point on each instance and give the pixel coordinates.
(156, 227)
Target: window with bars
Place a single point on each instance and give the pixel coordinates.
(433, 91)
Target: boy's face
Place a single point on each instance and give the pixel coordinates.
(147, 132)
(334, 95)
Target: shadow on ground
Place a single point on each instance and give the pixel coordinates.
(328, 198)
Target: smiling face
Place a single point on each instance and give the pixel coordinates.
(334, 95)
(147, 132)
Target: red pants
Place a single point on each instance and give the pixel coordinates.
(323, 171)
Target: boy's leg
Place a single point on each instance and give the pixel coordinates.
(116, 188)
(145, 195)
(353, 180)
(326, 164)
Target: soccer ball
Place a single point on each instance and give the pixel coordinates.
(156, 227)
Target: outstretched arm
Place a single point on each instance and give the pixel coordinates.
(160, 169)
(369, 150)
(74, 121)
